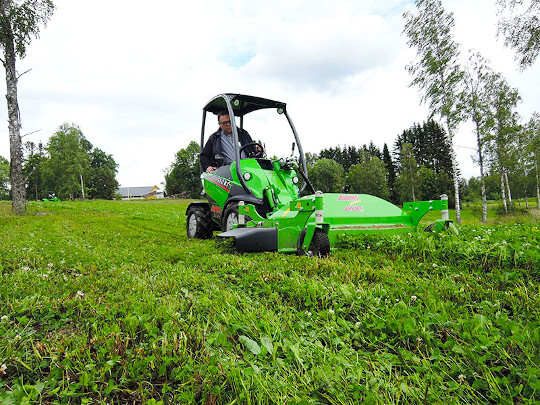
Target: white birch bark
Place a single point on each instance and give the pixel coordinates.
(509, 193)
(537, 185)
(18, 190)
(455, 169)
(482, 179)
(503, 193)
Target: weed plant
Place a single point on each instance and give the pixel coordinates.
(108, 302)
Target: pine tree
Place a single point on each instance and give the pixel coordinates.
(391, 169)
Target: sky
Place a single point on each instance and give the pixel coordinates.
(134, 75)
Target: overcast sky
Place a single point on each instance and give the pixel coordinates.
(135, 75)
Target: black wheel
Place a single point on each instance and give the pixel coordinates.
(198, 223)
(319, 246)
(230, 217)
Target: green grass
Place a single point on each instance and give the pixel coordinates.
(108, 302)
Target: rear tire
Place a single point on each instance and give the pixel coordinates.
(319, 246)
(198, 223)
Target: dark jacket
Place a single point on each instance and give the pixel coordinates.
(213, 147)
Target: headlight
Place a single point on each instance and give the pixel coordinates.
(247, 176)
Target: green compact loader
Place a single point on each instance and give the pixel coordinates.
(270, 205)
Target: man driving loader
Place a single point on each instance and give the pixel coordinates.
(220, 145)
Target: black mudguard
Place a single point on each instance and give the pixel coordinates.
(253, 239)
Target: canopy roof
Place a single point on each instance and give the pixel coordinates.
(241, 104)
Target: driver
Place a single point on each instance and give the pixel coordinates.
(221, 143)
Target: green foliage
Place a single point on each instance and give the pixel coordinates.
(391, 170)
(520, 29)
(102, 181)
(184, 174)
(432, 185)
(4, 178)
(473, 189)
(311, 159)
(108, 302)
(431, 150)
(350, 155)
(430, 146)
(502, 138)
(369, 177)
(327, 176)
(21, 22)
(68, 161)
(408, 176)
(437, 71)
(33, 170)
(68, 165)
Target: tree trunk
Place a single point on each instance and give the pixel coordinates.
(537, 185)
(503, 193)
(455, 170)
(18, 191)
(484, 198)
(482, 180)
(507, 186)
(82, 187)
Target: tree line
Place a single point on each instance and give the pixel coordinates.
(418, 167)
(452, 93)
(68, 166)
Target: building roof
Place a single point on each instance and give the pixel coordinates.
(136, 191)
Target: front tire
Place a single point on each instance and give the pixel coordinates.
(319, 246)
(198, 223)
(230, 217)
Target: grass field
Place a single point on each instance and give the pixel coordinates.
(108, 302)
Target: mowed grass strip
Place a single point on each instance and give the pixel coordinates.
(108, 302)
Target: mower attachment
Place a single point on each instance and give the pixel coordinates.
(253, 239)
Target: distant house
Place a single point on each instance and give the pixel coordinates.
(148, 192)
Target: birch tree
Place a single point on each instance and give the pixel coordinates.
(477, 99)
(519, 25)
(532, 131)
(501, 142)
(437, 72)
(19, 22)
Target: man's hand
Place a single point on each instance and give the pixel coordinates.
(210, 169)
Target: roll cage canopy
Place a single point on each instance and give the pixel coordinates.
(242, 104)
(239, 105)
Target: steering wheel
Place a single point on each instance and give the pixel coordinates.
(249, 153)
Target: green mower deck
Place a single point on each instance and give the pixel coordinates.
(295, 227)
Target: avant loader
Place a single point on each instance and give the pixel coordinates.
(270, 205)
